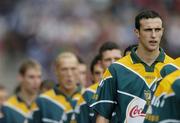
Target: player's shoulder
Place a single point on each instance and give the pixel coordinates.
(166, 83)
(92, 88)
(46, 96)
(124, 63)
(11, 101)
(168, 66)
(168, 59)
(49, 93)
(124, 60)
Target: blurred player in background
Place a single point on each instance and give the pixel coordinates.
(83, 79)
(3, 98)
(58, 105)
(96, 69)
(127, 83)
(3, 95)
(109, 53)
(85, 113)
(18, 107)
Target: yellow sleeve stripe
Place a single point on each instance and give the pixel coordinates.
(166, 83)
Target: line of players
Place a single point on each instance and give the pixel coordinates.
(150, 83)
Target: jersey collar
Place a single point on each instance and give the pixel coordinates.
(59, 92)
(136, 59)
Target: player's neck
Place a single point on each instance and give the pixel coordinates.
(27, 97)
(67, 92)
(147, 56)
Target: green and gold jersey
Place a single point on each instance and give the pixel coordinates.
(86, 114)
(165, 103)
(15, 110)
(126, 86)
(55, 107)
(177, 62)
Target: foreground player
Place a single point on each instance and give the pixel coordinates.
(165, 103)
(58, 105)
(18, 107)
(126, 82)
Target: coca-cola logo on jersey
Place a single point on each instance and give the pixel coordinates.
(136, 112)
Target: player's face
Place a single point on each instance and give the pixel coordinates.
(82, 74)
(3, 96)
(67, 73)
(97, 73)
(31, 80)
(150, 33)
(110, 56)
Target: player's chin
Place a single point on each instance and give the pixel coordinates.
(70, 87)
(153, 48)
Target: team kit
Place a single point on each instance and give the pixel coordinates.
(141, 86)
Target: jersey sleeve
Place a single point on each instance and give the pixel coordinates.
(176, 87)
(168, 69)
(103, 102)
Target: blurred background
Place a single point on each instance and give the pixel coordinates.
(41, 29)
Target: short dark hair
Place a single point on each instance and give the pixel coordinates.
(107, 46)
(95, 61)
(145, 15)
(129, 48)
(29, 63)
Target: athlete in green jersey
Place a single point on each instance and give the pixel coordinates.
(18, 107)
(128, 83)
(108, 53)
(165, 104)
(58, 105)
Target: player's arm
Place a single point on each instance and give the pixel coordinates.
(101, 119)
(103, 102)
(174, 79)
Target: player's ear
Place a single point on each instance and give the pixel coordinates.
(136, 31)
